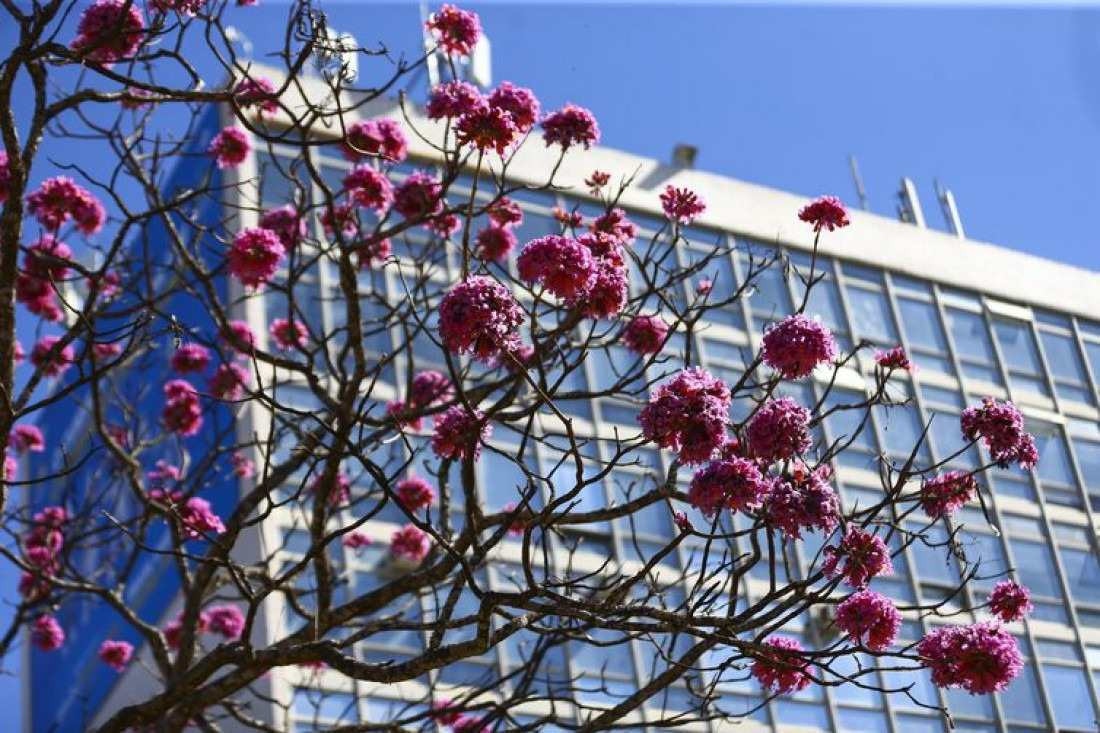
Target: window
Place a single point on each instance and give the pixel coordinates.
(1071, 381)
(924, 334)
(871, 317)
(1021, 356)
(1054, 469)
(973, 345)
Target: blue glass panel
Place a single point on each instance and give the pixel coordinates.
(1069, 696)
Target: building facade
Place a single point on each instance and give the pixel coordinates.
(977, 319)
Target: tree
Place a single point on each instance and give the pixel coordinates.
(157, 263)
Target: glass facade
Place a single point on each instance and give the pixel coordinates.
(967, 345)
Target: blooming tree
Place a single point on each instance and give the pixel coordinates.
(121, 274)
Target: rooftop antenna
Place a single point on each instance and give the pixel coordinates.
(950, 209)
(477, 69)
(909, 210)
(432, 59)
(234, 36)
(861, 192)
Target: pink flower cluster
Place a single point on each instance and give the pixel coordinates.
(980, 658)
(110, 31)
(452, 99)
(410, 543)
(608, 293)
(225, 620)
(428, 388)
(947, 493)
(802, 500)
(487, 127)
(645, 334)
(571, 125)
(229, 382)
(27, 438)
(254, 256)
(369, 188)
(779, 430)
(198, 519)
(495, 243)
(52, 361)
(414, 493)
(42, 545)
(732, 483)
(381, 138)
(519, 102)
(858, 557)
(286, 222)
(340, 491)
(796, 345)
(459, 433)
(59, 199)
(780, 667)
(43, 270)
(564, 266)
(258, 92)
(116, 654)
(615, 225)
(230, 147)
(418, 196)
(895, 358)
(182, 411)
(456, 31)
(190, 358)
(870, 619)
(682, 204)
(688, 414)
(1001, 427)
(288, 334)
(47, 634)
(479, 316)
(827, 211)
(1009, 601)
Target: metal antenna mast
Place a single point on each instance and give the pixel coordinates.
(950, 209)
(861, 192)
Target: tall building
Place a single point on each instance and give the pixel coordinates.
(978, 320)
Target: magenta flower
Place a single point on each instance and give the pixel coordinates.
(414, 493)
(519, 102)
(779, 430)
(199, 519)
(479, 317)
(380, 138)
(239, 337)
(615, 224)
(456, 31)
(53, 362)
(418, 196)
(870, 619)
(47, 634)
(229, 382)
(410, 543)
(608, 294)
(342, 218)
(596, 181)
(504, 212)
(827, 211)
(568, 219)
(163, 474)
(226, 620)
(796, 345)
(645, 334)
(495, 243)
(287, 222)
(59, 199)
(857, 558)
(571, 125)
(173, 630)
(1010, 601)
(340, 491)
(190, 358)
(688, 414)
(733, 483)
(25, 437)
(802, 500)
(356, 540)
(459, 433)
(230, 147)
(1001, 427)
(895, 358)
(373, 251)
(429, 388)
(980, 658)
(243, 466)
(369, 188)
(682, 204)
(780, 667)
(254, 256)
(945, 494)
(110, 31)
(187, 7)
(182, 412)
(452, 99)
(288, 334)
(564, 266)
(258, 92)
(116, 654)
(487, 128)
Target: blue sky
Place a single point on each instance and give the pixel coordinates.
(1001, 104)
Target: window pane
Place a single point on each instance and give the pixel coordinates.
(922, 325)
(871, 317)
(1069, 696)
(1035, 566)
(1082, 574)
(1063, 358)
(1021, 700)
(1017, 346)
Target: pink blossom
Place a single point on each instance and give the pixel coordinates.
(430, 387)
(704, 286)
(47, 634)
(339, 492)
(796, 345)
(564, 266)
(410, 543)
(18, 354)
(682, 522)
(479, 317)
(110, 31)
(173, 630)
(869, 618)
(229, 382)
(614, 224)
(25, 437)
(356, 540)
(199, 519)
(980, 658)
(404, 416)
(444, 225)
(373, 251)
(517, 526)
(230, 147)
(286, 222)
(857, 558)
(190, 358)
(452, 99)
(116, 654)
(182, 412)
(369, 188)
(779, 430)
(187, 7)
(495, 243)
(342, 218)
(288, 334)
(571, 125)
(568, 219)
(239, 337)
(486, 128)
(802, 500)
(608, 295)
(519, 102)
(226, 620)
(1001, 427)
(596, 181)
(780, 667)
(380, 138)
(459, 433)
(1010, 601)
(682, 204)
(688, 414)
(445, 712)
(52, 361)
(414, 493)
(733, 483)
(107, 350)
(645, 334)
(254, 256)
(895, 358)
(827, 211)
(456, 31)
(504, 212)
(418, 196)
(48, 258)
(162, 474)
(243, 466)
(58, 199)
(258, 92)
(945, 494)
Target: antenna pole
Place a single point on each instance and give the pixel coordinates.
(858, 181)
(432, 60)
(950, 210)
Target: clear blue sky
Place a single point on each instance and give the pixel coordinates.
(1003, 105)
